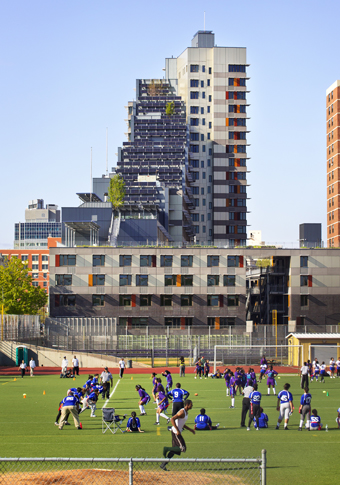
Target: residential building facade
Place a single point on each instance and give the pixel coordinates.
(333, 163)
(212, 81)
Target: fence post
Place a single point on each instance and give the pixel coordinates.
(167, 351)
(264, 468)
(153, 351)
(130, 472)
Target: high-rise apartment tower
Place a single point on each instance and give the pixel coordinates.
(213, 83)
(333, 161)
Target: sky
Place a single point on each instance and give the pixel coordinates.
(68, 69)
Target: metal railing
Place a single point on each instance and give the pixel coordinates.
(124, 471)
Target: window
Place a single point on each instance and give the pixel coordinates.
(235, 261)
(237, 68)
(63, 279)
(202, 137)
(186, 300)
(35, 284)
(196, 202)
(204, 202)
(213, 300)
(187, 280)
(209, 161)
(202, 218)
(194, 121)
(125, 260)
(195, 217)
(194, 83)
(145, 300)
(194, 148)
(44, 275)
(98, 300)
(194, 110)
(67, 260)
(44, 257)
(210, 98)
(125, 300)
(45, 283)
(303, 280)
(166, 300)
(208, 82)
(98, 280)
(193, 94)
(208, 109)
(208, 136)
(202, 84)
(35, 276)
(142, 280)
(24, 258)
(232, 300)
(210, 205)
(166, 261)
(213, 280)
(203, 68)
(202, 111)
(203, 175)
(203, 121)
(170, 280)
(186, 261)
(195, 175)
(64, 300)
(303, 261)
(202, 163)
(202, 190)
(44, 267)
(98, 260)
(203, 148)
(303, 300)
(125, 279)
(203, 94)
(193, 67)
(195, 190)
(194, 163)
(213, 261)
(35, 266)
(149, 261)
(35, 257)
(209, 70)
(229, 280)
(209, 215)
(194, 136)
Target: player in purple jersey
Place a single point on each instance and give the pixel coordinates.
(271, 373)
(206, 368)
(154, 385)
(227, 377)
(163, 404)
(305, 408)
(198, 369)
(232, 388)
(315, 421)
(203, 422)
(144, 399)
(168, 376)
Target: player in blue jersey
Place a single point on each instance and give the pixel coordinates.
(271, 374)
(168, 376)
(263, 420)
(70, 405)
(203, 422)
(315, 421)
(255, 406)
(163, 404)
(133, 424)
(332, 367)
(178, 397)
(144, 399)
(89, 402)
(284, 405)
(305, 408)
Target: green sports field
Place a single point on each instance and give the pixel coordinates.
(28, 430)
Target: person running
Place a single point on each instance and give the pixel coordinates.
(332, 367)
(315, 421)
(163, 404)
(178, 396)
(285, 406)
(178, 424)
(271, 374)
(144, 399)
(203, 422)
(232, 389)
(263, 420)
(323, 368)
(32, 366)
(305, 408)
(255, 402)
(316, 369)
(133, 424)
(168, 376)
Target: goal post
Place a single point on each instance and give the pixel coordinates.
(225, 355)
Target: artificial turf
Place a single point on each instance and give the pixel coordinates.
(27, 426)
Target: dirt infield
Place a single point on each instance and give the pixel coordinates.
(114, 477)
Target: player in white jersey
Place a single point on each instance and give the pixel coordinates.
(316, 369)
(178, 424)
(332, 367)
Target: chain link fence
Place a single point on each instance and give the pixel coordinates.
(133, 471)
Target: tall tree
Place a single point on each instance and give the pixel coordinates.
(17, 294)
(116, 191)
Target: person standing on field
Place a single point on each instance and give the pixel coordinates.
(64, 365)
(284, 405)
(106, 378)
(304, 375)
(22, 368)
(121, 367)
(75, 363)
(32, 367)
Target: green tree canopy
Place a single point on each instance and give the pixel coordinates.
(116, 191)
(17, 294)
(170, 108)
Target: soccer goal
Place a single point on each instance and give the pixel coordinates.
(225, 355)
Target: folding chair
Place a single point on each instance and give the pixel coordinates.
(110, 421)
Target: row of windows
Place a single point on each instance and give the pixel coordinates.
(150, 260)
(237, 135)
(196, 176)
(217, 301)
(176, 322)
(234, 81)
(237, 108)
(197, 137)
(235, 95)
(143, 280)
(35, 257)
(195, 110)
(236, 121)
(195, 68)
(195, 121)
(196, 163)
(236, 202)
(195, 83)
(236, 148)
(236, 175)
(195, 95)
(237, 68)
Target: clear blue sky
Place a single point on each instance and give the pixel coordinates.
(68, 68)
